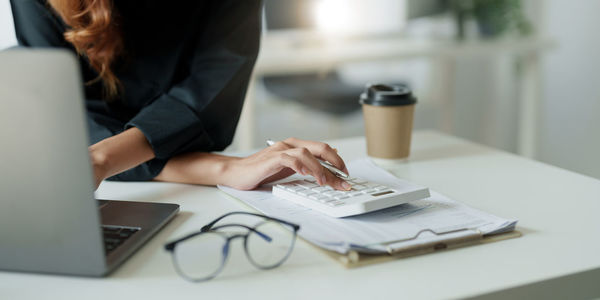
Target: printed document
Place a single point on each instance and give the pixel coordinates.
(380, 231)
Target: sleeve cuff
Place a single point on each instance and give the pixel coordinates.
(171, 127)
(144, 172)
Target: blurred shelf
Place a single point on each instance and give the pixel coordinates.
(280, 55)
(297, 54)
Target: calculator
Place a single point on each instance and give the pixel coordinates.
(364, 196)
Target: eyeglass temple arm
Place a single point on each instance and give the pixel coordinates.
(262, 235)
(171, 245)
(208, 226)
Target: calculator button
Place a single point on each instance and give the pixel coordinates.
(295, 188)
(310, 180)
(359, 187)
(339, 197)
(318, 197)
(306, 193)
(359, 181)
(335, 203)
(307, 185)
(321, 189)
(380, 187)
(368, 191)
(355, 193)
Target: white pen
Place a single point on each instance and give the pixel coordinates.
(337, 172)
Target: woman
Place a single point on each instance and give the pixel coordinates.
(165, 83)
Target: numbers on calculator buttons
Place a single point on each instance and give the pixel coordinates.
(309, 191)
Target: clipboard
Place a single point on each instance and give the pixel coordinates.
(354, 259)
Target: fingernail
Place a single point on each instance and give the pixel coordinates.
(346, 186)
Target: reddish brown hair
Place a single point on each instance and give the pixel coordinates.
(94, 32)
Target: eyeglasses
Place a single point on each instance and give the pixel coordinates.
(201, 256)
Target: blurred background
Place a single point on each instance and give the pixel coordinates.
(522, 76)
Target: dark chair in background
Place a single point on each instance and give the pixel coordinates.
(321, 92)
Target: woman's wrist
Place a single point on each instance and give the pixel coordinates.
(228, 170)
(118, 153)
(100, 162)
(199, 168)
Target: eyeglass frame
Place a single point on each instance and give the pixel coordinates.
(170, 246)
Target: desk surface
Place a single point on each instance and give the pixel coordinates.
(557, 210)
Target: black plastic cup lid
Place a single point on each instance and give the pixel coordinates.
(387, 95)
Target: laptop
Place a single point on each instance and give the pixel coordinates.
(49, 219)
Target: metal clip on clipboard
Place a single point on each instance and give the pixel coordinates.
(469, 235)
(456, 239)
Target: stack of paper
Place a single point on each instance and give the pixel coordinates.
(421, 221)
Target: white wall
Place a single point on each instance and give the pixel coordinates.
(7, 31)
(571, 112)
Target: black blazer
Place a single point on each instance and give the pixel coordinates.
(185, 71)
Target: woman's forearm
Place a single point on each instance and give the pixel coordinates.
(197, 168)
(119, 153)
(267, 165)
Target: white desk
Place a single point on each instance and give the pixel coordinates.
(557, 209)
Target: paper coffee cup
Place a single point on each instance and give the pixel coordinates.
(388, 112)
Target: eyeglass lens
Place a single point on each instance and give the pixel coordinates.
(270, 253)
(203, 256)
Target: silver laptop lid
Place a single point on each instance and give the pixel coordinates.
(48, 216)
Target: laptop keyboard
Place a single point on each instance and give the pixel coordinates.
(114, 236)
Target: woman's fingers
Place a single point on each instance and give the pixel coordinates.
(319, 149)
(336, 182)
(291, 162)
(302, 158)
(308, 164)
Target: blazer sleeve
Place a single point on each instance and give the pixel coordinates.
(36, 26)
(200, 113)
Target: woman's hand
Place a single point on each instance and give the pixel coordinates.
(284, 159)
(99, 165)
(118, 153)
(270, 164)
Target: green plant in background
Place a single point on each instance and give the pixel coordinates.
(494, 18)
